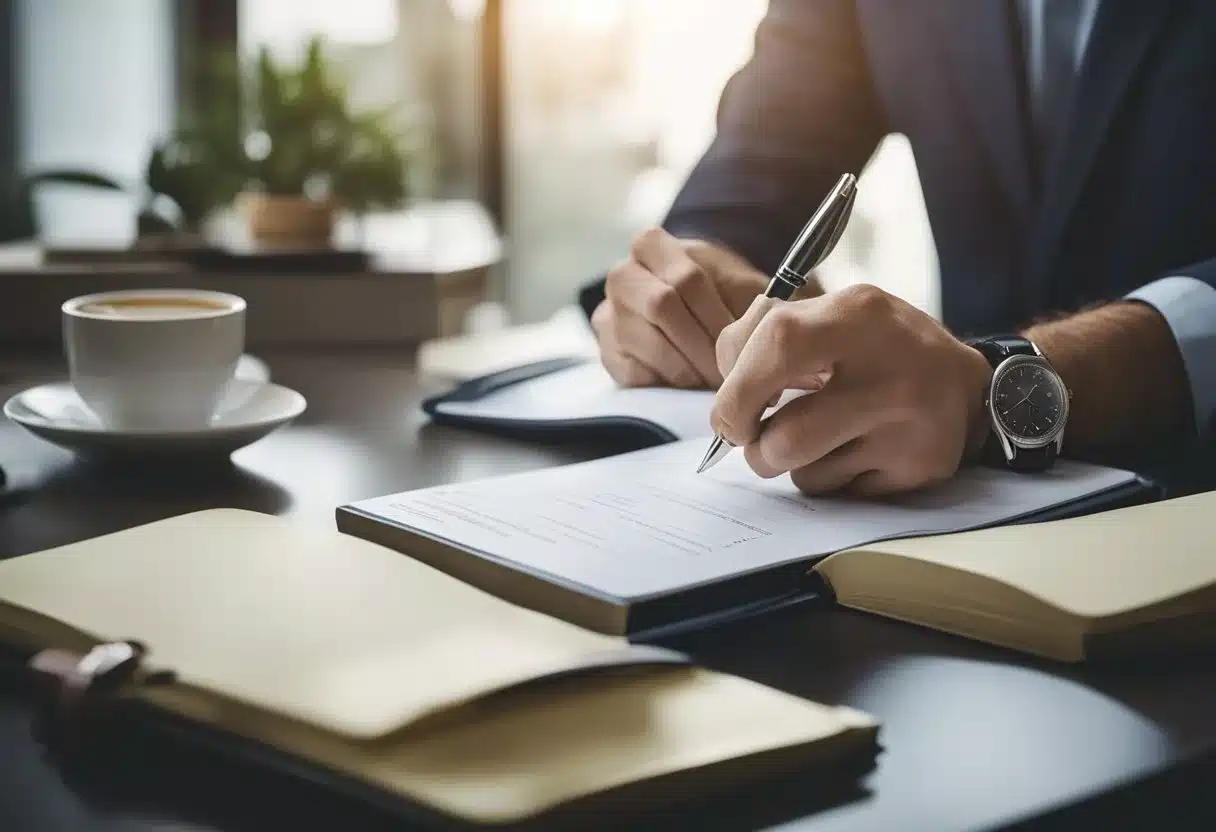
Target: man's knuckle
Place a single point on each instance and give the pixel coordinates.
(645, 242)
(601, 318)
(614, 369)
(633, 375)
(687, 278)
(616, 277)
(866, 299)
(661, 303)
(728, 346)
(784, 327)
(783, 444)
(687, 377)
(922, 463)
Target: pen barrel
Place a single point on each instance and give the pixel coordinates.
(822, 232)
(784, 284)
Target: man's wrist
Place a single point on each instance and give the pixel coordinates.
(1122, 364)
(977, 374)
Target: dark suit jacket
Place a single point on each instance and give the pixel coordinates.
(1129, 196)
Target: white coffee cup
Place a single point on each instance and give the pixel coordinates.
(154, 359)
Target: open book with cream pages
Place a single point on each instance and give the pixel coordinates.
(638, 543)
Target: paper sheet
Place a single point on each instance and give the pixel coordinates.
(645, 523)
(586, 391)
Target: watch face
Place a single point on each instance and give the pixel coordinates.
(1029, 402)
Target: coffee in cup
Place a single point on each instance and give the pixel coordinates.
(155, 359)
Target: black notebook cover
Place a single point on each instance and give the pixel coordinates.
(642, 432)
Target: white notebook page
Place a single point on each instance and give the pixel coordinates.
(586, 391)
(645, 523)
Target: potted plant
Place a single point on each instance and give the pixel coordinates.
(308, 155)
(280, 142)
(201, 166)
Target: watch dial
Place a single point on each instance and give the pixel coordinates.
(1029, 401)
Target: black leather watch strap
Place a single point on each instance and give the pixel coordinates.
(997, 348)
(1026, 459)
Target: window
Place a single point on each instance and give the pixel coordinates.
(419, 58)
(95, 88)
(287, 24)
(610, 103)
(9, 221)
(584, 116)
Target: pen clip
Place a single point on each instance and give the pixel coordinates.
(839, 223)
(821, 233)
(830, 230)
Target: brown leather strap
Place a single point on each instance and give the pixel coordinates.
(76, 687)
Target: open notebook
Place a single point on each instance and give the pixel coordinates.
(618, 547)
(572, 396)
(382, 673)
(638, 543)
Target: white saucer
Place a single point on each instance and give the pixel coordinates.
(252, 368)
(250, 410)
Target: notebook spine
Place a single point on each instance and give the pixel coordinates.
(76, 688)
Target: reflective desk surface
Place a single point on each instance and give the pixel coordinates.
(974, 738)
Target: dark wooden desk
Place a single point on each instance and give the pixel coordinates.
(975, 738)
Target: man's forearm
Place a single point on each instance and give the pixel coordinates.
(1128, 381)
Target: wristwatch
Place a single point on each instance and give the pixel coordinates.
(1027, 404)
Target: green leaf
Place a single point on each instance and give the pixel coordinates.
(150, 222)
(311, 130)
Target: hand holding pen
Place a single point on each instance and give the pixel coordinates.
(896, 401)
(813, 245)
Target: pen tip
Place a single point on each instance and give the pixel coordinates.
(718, 449)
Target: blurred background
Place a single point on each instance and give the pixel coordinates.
(566, 126)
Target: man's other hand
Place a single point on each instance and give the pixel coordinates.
(901, 408)
(664, 307)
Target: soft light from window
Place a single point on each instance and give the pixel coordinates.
(467, 10)
(590, 17)
(291, 22)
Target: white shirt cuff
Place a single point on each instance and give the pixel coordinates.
(1189, 308)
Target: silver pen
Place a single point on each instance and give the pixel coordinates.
(819, 236)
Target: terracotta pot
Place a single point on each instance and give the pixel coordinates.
(288, 220)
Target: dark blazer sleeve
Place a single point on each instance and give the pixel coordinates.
(802, 111)
(797, 115)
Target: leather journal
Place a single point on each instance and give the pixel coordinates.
(380, 675)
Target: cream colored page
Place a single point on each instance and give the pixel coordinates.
(1095, 565)
(514, 761)
(645, 523)
(513, 757)
(318, 625)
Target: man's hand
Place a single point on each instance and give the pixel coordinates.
(901, 408)
(665, 306)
